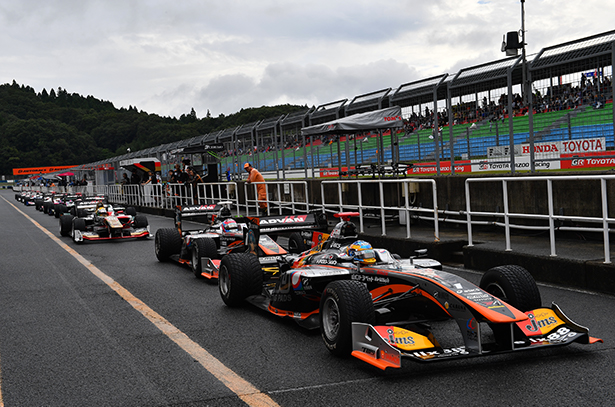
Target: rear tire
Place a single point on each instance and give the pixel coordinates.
(131, 211)
(296, 244)
(240, 276)
(342, 303)
(203, 247)
(167, 242)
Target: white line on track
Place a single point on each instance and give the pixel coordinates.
(241, 387)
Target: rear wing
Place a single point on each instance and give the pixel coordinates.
(190, 211)
(284, 223)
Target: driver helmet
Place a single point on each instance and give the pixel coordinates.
(101, 210)
(229, 225)
(362, 252)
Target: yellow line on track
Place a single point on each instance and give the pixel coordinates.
(241, 387)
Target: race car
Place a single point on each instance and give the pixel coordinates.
(99, 221)
(64, 203)
(379, 308)
(41, 201)
(28, 198)
(202, 248)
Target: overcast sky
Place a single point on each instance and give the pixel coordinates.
(168, 56)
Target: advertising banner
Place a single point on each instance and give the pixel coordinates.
(40, 170)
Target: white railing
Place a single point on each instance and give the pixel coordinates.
(287, 195)
(549, 217)
(406, 209)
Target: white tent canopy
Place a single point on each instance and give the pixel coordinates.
(378, 119)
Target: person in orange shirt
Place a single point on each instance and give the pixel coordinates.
(255, 176)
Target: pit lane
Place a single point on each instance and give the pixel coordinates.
(67, 339)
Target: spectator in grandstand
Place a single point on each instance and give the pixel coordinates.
(255, 176)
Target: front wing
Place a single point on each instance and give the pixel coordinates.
(385, 346)
(81, 236)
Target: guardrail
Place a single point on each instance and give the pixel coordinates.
(550, 217)
(407, 209)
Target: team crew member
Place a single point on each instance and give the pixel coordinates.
(255, 176)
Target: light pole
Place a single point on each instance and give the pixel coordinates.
(526, 88)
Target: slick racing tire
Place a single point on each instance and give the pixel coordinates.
(203, 247)
(240, 276)
(66, 225)
(131, 211)
(513, 285)
(168, 241)
(342, 303)
(296, 243)
(78, 224)
(140, 221)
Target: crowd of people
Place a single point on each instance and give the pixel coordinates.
(185, 176)
(589, 91)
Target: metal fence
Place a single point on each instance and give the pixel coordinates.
(548, 219)
(281, 196)
(384, 207)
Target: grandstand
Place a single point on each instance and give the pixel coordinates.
(466, 118)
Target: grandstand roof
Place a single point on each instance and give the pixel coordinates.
(328, 111)
(269, 124)
(418, 92)
(369, 101)
(296, 119)
(574, 56)
(491, 75)
(246, 129)
(226, 134)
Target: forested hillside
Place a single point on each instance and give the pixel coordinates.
(53, 128)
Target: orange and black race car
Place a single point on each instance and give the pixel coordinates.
(201, 249)
(380, 308)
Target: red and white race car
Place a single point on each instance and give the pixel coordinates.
(100, 221)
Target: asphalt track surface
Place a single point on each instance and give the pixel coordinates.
(106, 324)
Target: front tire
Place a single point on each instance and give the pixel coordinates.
(66, 225)
(240, 276)
(78, 224)
(513, 285)
(168, 241)
(342, 303)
